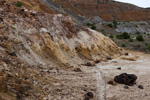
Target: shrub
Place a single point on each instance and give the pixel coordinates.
(115, 24)
(138, 32)
(119, 36)
(138, 45)
(148, 47)
(125, 35)
(102, 30)
(88, 24)
(104, 33)
(19, 4)
(140, 38)
(93, 27)
(110, 25)
(131, 40)
(123, 45)
(146, 44)
(111, 36)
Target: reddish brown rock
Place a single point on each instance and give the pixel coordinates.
(111, 82)
(98, 60)
(90, 63)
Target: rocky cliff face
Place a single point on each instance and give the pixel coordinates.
(36, 46)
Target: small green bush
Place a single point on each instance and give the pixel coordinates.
(148, 47)
(138, 45)
(119, 36)
(131, 40)
(88, 24)
(19, 4)
(104, 33)
(110, 25)
(93, 27)
(111, 36)
(123, 45)
(102, 30)
(140, 38)
(125, 35)
(115, 23)
(138, 32)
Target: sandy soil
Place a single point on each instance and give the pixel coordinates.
(108, 70)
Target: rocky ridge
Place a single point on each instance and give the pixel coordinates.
(108, 10)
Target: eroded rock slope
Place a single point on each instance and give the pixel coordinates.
(38, 52)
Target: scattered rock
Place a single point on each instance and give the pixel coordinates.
(77, 70)
(126, 87)
(119, 68)
(126, 54)
(114, 61)
(109, 58)
(127, 79)
(12, 54)
(10, 75)
(141, 87)
(90, 63)
(88, 96)
(98, 61)
(111, 82)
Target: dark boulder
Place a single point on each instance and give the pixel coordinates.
(140, 87)
(109, 58)
(119, 68)
(127, 79)
(126, 87)
(88, 96)
(126, 54)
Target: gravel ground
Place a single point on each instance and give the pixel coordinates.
(140, 67)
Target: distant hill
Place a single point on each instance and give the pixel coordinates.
(106, 9)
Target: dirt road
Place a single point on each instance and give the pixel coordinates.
(140, 67)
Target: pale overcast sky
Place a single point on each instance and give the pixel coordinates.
(141, 3)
